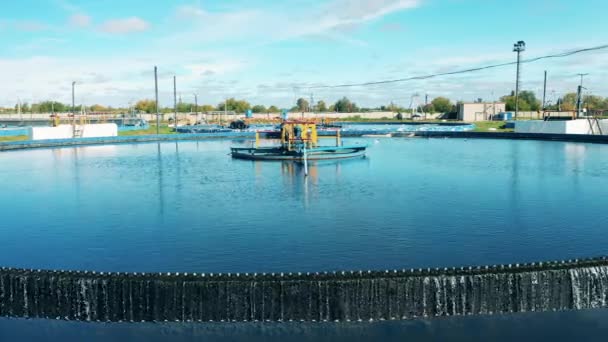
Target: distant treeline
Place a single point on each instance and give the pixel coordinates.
(527, 102)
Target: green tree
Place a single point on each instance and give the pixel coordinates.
(529, 98)
(259, 109)
(53, 106)
(569, 101)
(35, 108)
(206, 108)
(239, 106)
(98, 108)
(510, 103)
(302, 105)
(429, 108)
(391, 107)
(344, 105)
(441, 105)
(273, 109)
(321, 106)
(184, 107)
(147, 106)
(593, 102)
(527, 101)
(25, 107)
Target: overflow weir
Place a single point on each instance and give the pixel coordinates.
(335, 296)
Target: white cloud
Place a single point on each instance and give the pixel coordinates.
(80, 20)
(208, 69)
(124, 26)
(189, 12)
(115, 79)
(271, 25)
(341, 12)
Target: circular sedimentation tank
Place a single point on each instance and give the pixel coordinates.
(214, 239)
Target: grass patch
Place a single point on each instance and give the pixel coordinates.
(485, 126)
(152, 130)
(13, 138)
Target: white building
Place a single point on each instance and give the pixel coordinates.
(479, 111)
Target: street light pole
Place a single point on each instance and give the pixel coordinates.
(225, 111)
(196, 105)
(73, 105)
(156, 99)
(175, 101)
(579, 100)
(518, 47)
(544, 91)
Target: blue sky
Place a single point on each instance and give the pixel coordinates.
(269, 52)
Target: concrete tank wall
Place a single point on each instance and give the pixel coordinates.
(578, 127)
(44, 133)
(581, 126)
(67, 131)
(100, 130)
(604, 126)
(539, 126)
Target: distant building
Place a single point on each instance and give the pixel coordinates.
(479, 111)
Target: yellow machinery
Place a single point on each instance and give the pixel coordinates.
(55, 120)
(298, 134)
(299, 142)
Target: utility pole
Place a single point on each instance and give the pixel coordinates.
(579, 100)
(73, 105)
(196, 106)
(544, 90)
(426, 104)
(175, 101)
(493, 104)
(225, 111)
(311, 106)
(156, 99)
(518, 47)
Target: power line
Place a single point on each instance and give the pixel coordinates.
(414, 78)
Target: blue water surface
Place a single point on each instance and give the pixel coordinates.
(188, 207)
(368, 128)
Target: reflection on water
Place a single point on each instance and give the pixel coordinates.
(575, 156)
(97, 150)
(550, 327)
(308, 187)
(161, 194)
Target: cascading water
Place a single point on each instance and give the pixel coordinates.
(343, 296)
